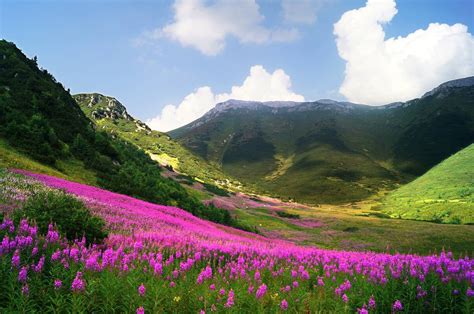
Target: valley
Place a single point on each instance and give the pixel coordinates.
(255, 207)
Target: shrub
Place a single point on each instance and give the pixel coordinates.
(215, 190)
(72, 218)
(284, 214)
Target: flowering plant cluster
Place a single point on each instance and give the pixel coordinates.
(163, 259)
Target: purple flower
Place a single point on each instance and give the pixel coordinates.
(57, 284)
(23, 274)
(470, 292)
(284, 305)
(320, 282)
(230, 299)
(212, 287)
(141, 290)
(345, 299)
(397, 306)
(25, 290)
(363, 310)
(39, 266)
(295, 284)
(78, 284)
(141, 310)
(16, 259)
(261, 291)
(372, 303)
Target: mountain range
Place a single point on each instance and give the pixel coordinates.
(322, 152)
(329, 151)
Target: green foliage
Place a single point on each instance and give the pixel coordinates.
(71, 217)
(215, 189)
(285, 214)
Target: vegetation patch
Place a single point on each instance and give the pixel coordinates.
(68, 214)
(285, 214)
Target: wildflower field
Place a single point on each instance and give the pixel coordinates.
(162, 259)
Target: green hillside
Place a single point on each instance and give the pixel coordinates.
(111, 116)
(332, 152)
(443, 194)
(43, 129)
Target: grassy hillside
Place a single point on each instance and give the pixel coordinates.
(42, 128)
(110, 115)
(328, 152)
(443, 194)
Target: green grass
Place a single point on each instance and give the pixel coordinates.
(444, 194)
(68, 169)
(355, 227)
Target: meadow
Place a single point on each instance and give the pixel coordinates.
(163, 259)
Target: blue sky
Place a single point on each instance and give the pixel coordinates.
(105, 47)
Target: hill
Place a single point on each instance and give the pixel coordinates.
(328, 151)
(42, 128)
(444, 194)
(110, 115)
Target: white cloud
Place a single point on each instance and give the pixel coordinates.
(301, 11)
(380, 71)
(260, 85)
(206, 27)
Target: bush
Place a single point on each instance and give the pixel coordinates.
(72, 218)
(215, 190)
(284, 214)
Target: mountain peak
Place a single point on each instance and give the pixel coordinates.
(106, 107)
(463, 82)
(235, 103)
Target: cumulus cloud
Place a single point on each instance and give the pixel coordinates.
(206, 27)
(301, 11)
(380, 71)
(260, 85)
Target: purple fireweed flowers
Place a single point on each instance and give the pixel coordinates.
(23, 274)
(397, 306)
(176, 247)
(141, 290)
(57, 284)
(78, 284)
(261, 291)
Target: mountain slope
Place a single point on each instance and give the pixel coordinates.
(42, 128)
(110, 115)
(327, 151)
(444, 194)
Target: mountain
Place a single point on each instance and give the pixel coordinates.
(443, 194)
(328, 151)
(42, 128)
(110, 115)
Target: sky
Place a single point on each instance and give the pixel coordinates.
(169, 62)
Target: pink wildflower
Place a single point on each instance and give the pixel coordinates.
(397, 306)
(78, 284)
(141, 290)
(261, 291)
